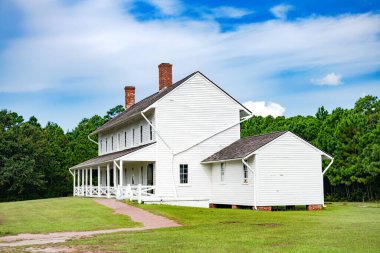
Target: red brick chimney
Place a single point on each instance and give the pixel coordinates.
(165, 75)
(129, 96)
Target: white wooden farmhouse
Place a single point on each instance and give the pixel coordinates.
(182, 146)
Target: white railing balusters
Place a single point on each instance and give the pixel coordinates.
(131, 192)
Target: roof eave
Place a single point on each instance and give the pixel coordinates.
(222, 161)
(132, 117)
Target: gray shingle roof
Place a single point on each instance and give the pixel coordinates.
(140, 106)
(243, 147)
(109, 157)
(146, 102)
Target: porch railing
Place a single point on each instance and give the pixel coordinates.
(131, 192)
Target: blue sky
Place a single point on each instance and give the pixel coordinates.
(65, 60)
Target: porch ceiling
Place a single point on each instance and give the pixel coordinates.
(109, 157)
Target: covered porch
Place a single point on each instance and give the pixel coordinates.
(127, 174)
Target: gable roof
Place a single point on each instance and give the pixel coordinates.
(140, 106)
(243, 147)
(109, 157)
(148, 101)
(246, 146)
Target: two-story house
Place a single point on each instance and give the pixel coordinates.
(182, 146)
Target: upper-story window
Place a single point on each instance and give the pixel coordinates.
(222, 171)
(151, 132)
(125, 139)
(141, 134)
(183, 173)
(112, 142)
(106, 144)
(245, 173)
(133, 136)
(101, 146)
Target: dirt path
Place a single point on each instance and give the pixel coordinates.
(149, 220)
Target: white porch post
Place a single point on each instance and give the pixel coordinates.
(116, 189)
(114, 176)
(86, 180)
(74, 183)
(108, 180)
(139, 193)
(78, 172)
(121, 173)
(98, 180)
(82, 182)
(91, 181)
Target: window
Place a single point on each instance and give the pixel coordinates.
(222, 171)
(141, 134)
(125, 139)
(101, 146)
(183, 174)
(106, 144)
(142, 174)
(133, 176)
(112, 142)
(245, 173)
(133, 137)
(151, 132)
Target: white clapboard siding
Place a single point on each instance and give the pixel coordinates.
(189, 113)
(232, 190)
(126, 130)
(289, 173)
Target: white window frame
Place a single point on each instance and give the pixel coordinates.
(101, 146)
(106, 144)
(112, 143)
(151, 132)
(183, 175)
(125, 139)
(245, 173)
(222, 171)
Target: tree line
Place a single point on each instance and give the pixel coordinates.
(34, 160)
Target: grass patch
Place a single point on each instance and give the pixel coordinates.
(58, 214)
(339, 228)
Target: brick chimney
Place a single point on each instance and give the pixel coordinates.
(165, 75)
(129, 96)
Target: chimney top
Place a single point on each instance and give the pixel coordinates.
(129, 96)
(165, 75)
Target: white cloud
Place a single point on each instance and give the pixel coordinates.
(261, 108)
(100, 45)
(280, 11)
(229, 12)
(329, 79)
(167, 7)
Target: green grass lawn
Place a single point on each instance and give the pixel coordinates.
(58, 214)
(353, 227)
